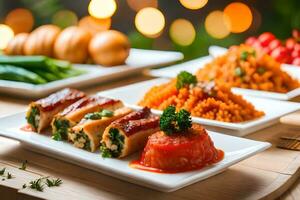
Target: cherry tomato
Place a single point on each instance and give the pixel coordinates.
(281, 54)
(267, 50)
(297, 47)
(296, 61)
(295, 53)
(257, 45)
(274, 44)
(266, 38)
(296, 34)
(250, 41)
(290, 43)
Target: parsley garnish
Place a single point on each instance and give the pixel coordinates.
(24, 186)
(9, 176)
(99, 115)
(172, 122)
(261, 70)
(53, 182)
(185, 78)
(239, 72)
(24, 165)
(2, 171)
(245, 54)
(37, 185)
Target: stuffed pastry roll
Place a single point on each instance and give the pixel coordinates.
(41, 112)
(70, 116)
(129, 133)
(88, 133)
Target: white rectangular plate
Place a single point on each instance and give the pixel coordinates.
(273, 109)
(194, 65)
(137, 61)
(236, 150)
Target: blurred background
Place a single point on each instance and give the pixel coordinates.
(189, 26)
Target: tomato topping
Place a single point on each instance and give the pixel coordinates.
(266, 38)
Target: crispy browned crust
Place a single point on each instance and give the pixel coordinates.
(63, 97)
(137, 121)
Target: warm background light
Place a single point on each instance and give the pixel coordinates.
(6, 34)
(140, 4)
(94, 25)
(150, 21)
(182, 32)
(20, 20)
(217, 24)
(102, 8)
(64, 18)
(240, 17)
(193, 4)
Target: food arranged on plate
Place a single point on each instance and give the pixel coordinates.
(35, 69)
(171, 142)
(129, 133)
(287, 51)
(74, 44)
(41, 112)
(178, 146)
(244, 67)
(206, 100)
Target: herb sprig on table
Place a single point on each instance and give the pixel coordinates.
(174, 122)
(39, 184)
(24, 165)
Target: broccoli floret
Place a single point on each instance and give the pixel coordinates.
(185, 78)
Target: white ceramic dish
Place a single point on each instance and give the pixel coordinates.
(194, 65)
(273, 109)
(236, 149)
(137, 61)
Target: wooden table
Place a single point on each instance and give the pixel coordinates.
(269, 175)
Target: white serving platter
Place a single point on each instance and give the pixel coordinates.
(236, 149)
(194, 65)
(137, 61)
(273, 109)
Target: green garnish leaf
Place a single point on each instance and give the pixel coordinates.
(107, 113)
(56, 136)
(37, 185)
(105, 152)
(239, 72)
(2, 171)
(9, 176)
(261, 70)
(245, 54)
(185, 78)
(99, 115)
(53, 182)
(24, 165)
(24, 186)
(172, 122)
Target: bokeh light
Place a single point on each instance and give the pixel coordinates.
(193, 4)
(20, 20)
(240, 16)
(94, 25)
(6, 34)
(150, 21)
(102, 8)
(182, 32)
(65, 18)
(217, 24)
(137, 5)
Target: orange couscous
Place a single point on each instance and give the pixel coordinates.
(201, 100)
(244, 67)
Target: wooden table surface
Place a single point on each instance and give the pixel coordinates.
(271, 174)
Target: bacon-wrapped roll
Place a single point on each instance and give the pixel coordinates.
(70, 116)
(41, 112)
(88, 133)
(129, 133)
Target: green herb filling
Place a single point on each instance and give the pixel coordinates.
(116, 139)
(34, 117)
(61, 132)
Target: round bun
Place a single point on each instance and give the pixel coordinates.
(72, 45)
(41, 40)
(109, 48)
(16, 45)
